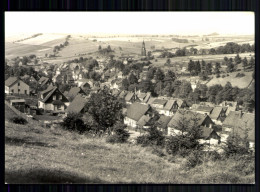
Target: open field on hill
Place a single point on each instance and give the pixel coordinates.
(35, 154)
(241, 82)
(80, 44)
(17, 49)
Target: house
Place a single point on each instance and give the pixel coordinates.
(52, 99)
(14, 85)
(158, 104)
(44, 81)
(169, 108)
(142, 123)
(204, 110)
(239, 123)
(218, 115)
(185, 118)
(238, 119)
(78, 105)
(131, 97)
(209, 136)
(134, 113)
(182, 103)
(162, 123)
(231, 106)
(19, 104)
(73, 92)
(209, 104)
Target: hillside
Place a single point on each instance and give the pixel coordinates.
(240, 82)
(35, 154)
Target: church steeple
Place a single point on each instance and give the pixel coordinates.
(143, 51)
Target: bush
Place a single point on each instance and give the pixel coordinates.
(157, 151)
(217, 75)
(223, 76)
(74, 122)
(245, 164)
(240, 75)
(154, 137)
(18, 120)
(194, 159)
(120, 135)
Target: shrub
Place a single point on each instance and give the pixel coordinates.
(217, 75)
(245, 164)
(154, 137)
(223, 76)
(74, 122)
(240, 75)
(194, 159)
(120, 135)
(18, 120)
(158, 151)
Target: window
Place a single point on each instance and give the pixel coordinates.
(60, 97)
(18, 83)
(59, 107)
(18, 90)
(25, 92)
(54, 97)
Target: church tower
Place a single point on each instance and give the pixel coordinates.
(143, 51)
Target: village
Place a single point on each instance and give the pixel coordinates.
(65, 88)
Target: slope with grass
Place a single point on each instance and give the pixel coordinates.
(240, 82)
(35, 154)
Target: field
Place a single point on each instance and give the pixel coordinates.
(241, 82)
(35, 154)
(82, 44)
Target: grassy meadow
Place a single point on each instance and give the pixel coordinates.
(34, 154)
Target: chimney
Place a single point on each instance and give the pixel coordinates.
(205, 114)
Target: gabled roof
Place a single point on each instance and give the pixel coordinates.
(180, 115)
(74, 91)
(232, 119)
(151, 100)
(143, 120)
(136, 110)
(122, 94)
(206, 132)
(43, 80)
(159, 101)
(147, 97)
(239, 120)
(49, 92)
(169, 105)
(77, 104)
(216, 112)
(163, 121)
(129, 96)
(141, 95)
(10, 81)
(204, 109)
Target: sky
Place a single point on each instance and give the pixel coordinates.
(180, 23)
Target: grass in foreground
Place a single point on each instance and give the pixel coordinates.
(35, 154)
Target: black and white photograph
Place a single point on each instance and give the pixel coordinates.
(129, 97)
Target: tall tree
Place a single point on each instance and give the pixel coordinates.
(237, 59)
(208, 69)
(105, 108)
(245, 63)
